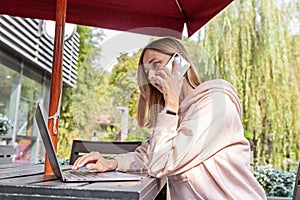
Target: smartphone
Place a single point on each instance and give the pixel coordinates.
(182, 64)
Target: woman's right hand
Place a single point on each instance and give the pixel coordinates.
(170, 86)
(95, 161)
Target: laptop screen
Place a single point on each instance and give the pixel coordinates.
(41, 122)
(45, 134)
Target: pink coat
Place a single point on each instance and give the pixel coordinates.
(202, 151)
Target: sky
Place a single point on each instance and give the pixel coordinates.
(117, 42)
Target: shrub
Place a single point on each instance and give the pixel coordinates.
(275, 182)
(5, 124)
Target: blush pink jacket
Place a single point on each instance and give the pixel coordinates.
(202, 151)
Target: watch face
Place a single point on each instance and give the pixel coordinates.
(182, 65)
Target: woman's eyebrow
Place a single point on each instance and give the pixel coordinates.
(151, 60)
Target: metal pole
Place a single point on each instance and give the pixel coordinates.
(124, 122)
(56, 81)
(18, 96)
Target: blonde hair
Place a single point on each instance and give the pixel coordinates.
(151, 101)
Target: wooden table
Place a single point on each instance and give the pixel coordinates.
(28, 181)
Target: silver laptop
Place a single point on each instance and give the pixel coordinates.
(75, 175)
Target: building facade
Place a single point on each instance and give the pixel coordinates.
(25, 79)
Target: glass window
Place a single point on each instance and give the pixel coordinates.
(30, 95)
(9, 82)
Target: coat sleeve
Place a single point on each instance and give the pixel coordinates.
(134, 161)
(208, 126)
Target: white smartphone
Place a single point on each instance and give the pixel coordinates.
(182, 64)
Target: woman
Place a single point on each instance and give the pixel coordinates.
(198, 140)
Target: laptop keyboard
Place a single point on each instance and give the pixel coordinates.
(79, 174)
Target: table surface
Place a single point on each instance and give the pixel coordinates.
(28, 181)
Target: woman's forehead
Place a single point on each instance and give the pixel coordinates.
(150, 54)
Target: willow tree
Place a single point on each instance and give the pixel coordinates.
(250, 44)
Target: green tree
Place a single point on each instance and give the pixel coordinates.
(79, 105)
(250, 45)
(123, 77)
(126, 93)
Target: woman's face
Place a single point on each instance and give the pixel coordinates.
(153, 61)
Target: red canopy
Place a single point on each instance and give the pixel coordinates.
(153, 17)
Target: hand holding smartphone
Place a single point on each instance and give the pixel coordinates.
(182, 65)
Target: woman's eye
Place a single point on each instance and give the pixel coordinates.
(156, 64)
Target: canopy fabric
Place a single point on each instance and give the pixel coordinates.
(152, 17)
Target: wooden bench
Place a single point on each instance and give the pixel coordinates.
(80, 146)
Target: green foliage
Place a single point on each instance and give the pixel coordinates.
(138, 134)
(123, 78)
(126, 93)
(98, 94)
(5, 125)
(275, 182)
(250, 45)
(79, 105)
(67, 130)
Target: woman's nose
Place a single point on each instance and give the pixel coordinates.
(151, 74)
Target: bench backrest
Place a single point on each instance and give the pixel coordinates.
(105, 148)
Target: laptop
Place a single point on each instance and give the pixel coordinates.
(81, 175)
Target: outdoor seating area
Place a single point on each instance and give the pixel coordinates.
(209, 88)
